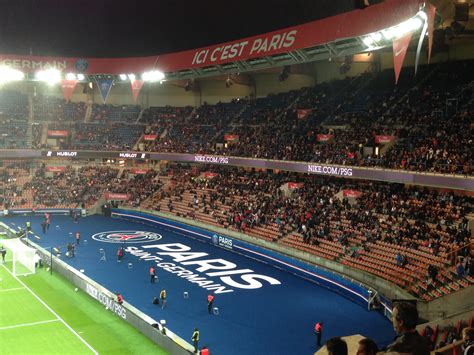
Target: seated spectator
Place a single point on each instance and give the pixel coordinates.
(429, 334)
(399, 259)
(460, 270)
(336, 346)
(367, 347)
(405, 319)
(468, 341)
(433, 272)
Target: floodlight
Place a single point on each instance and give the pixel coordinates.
(376, 36)
(80, 77)
(388, 33)
(71, 76)
(368, 41)
(408, 26)
(123, 77)
(51, 76)
(131, 77)
(154, 75)
(9, 74)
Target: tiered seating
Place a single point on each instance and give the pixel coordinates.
(13, 176)
(156, 115)
(13, 134)
(107, 112)
(113, 136)
(139, 187)
(70, 188)
(447, 338)
(13, 106)
(263, 109)
(206, 114)
(49, 108)
(430, 120)
(388, 220)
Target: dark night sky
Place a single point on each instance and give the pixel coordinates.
(104, 28)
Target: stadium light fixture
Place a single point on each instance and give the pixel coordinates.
(388, 33)
(51, 76)
(368, 41)
(80, 77)
(71, 76)
(152, 76)
(9, 74)
(410, 25)
(123, 77)
(376, 36)
(131, 77)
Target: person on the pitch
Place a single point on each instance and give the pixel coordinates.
(210, 302)
(119, 298)
(163, 298)
(3, 252)
(152, 274)
(47, 219)
(120, 253)
(195, 339)
(318, 330)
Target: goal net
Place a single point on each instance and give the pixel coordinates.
(19, 258)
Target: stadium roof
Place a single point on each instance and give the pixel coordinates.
(343, 34)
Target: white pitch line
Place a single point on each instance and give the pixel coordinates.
(29, 324)
(12, 289)
(51, 310)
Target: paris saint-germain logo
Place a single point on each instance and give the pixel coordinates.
(82, 65)
(126, 237)
(215, 239)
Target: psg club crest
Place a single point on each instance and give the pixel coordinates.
(82, 65)
(215, 239)
(127, 237)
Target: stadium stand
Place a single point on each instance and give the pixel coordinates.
(122, 113)
(53, 109)
(156, 115)
(423, 226)
(111, 136)
(13, 106)
(349, 113)
(390, 230)
(13, 134)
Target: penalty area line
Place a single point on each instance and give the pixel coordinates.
(12, 289)
(53, 312)
(29, 324)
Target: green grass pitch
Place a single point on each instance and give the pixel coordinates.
(43, 314)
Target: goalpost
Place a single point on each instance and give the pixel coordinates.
(20, 259)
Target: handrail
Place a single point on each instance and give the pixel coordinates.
(450, 260)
